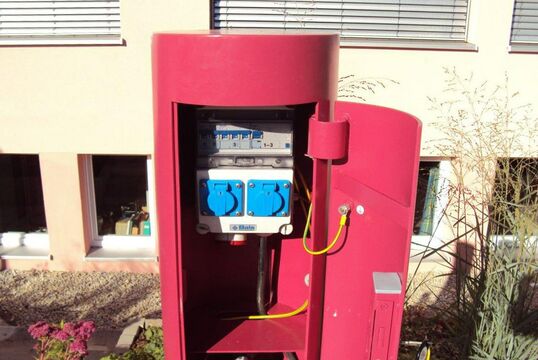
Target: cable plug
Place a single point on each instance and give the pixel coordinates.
(344, 210)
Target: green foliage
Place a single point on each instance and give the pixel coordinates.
(149, 346)
(496, 335)
(507, 322)
(490, 197)
(154, 346)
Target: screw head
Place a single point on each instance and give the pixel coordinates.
(238, 213)
(360, 209)
(286, 185)
(251, 213)
(283, 213)
(238, 185)
(251, 185)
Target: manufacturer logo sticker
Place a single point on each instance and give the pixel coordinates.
(243, 227)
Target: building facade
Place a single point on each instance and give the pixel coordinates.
(76, 143)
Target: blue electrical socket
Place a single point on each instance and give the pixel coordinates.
(268, 198)
(221, 197)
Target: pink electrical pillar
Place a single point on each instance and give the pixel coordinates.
(361, 156)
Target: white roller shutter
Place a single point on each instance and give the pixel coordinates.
(392, 19)
(59, 22)
(525, 22)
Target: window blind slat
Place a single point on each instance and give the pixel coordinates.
(45, 19)
(312, 5)
(435, 19)
(59, 31)
(50, 25)
(276, 3)
(525, 22)
(401, 17)
(360, 22)
(23, 12)
(58, 5)
(351, 16)
(59, 18)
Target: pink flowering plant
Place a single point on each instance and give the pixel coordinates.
(63, 341)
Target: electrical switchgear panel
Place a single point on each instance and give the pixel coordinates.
(245, 170)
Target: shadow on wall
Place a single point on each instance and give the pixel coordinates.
(111, 300)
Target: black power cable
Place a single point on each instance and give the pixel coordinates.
(261, 285)
(262, 275)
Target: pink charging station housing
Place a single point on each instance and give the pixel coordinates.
(362, 156)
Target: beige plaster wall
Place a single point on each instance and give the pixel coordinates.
(420, 73)
(89, 99)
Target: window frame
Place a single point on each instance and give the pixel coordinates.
(395, 43)
(119, 242)
(37, 39)
(520, 46)
(423, 243)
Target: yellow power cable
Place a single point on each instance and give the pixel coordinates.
(272, 316)
(343, 221)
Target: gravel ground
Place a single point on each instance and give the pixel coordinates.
(112, 300)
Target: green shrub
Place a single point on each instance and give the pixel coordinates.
(149, 346)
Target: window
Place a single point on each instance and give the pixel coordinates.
(427, 192)
(431, 201)
(22, 210)
(120, 193)
(514, 203)
(353, 19)
(525, 21)
(38, 22)
(525, 25)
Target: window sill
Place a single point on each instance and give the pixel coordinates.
(511, 241)
(13, 239)
(104, 254)
(523, 48)
(422, 245)
(23, 253)
(124, 242)
(14, 42)
(408, 44)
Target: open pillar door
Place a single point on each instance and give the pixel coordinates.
(366, 273)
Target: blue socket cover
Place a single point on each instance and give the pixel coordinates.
(268, 198)
(221, 197)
